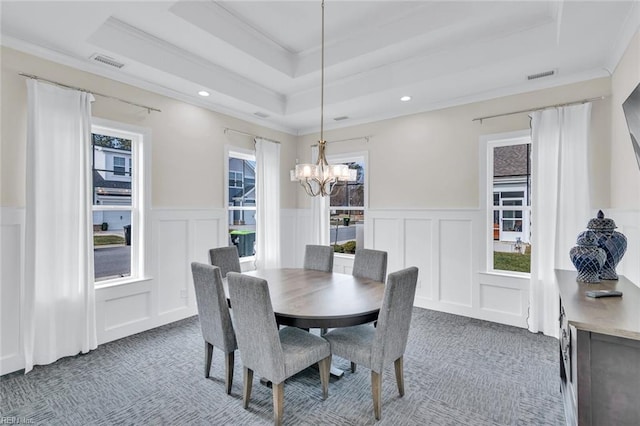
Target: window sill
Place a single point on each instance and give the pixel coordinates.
(509, 274)
(120, 282)
(344, 255)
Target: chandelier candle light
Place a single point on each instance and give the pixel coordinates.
(321, 177)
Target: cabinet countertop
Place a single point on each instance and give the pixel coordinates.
(615, 316)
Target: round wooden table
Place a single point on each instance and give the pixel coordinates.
(312, 299)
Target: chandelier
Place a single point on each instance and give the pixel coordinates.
(321, 177)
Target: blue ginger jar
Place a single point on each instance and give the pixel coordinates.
(612, 242)
(587, 257)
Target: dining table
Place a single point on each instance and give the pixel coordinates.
(307, 298)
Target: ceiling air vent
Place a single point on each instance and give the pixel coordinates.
(261, 114)
(107, 61)
(541, 74)
(343, 117)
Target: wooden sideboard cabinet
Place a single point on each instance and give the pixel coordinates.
(599, 352)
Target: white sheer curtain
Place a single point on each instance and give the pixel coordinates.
(319, 213)
(58, 298)
(268, 204)
(561, 203)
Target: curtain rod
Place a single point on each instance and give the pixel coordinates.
(228, 129)
(583, 101)
(35, 77)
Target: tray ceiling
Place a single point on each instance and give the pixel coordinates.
(262, 58)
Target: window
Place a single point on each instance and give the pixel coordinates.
(347, 207)
(509, 201)
(241, 201)
(118, 203)
(118, 165)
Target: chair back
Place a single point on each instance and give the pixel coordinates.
(225, 258)
(213, 311)
(394, 319)
(256, 328)
(370, 264)
(319, 258)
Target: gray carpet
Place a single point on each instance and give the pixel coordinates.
(458, 371)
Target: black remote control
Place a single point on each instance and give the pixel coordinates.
(603, 293)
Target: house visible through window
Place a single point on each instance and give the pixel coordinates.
(511, 207)
(241, 203)
(347, 209)
(116, 204)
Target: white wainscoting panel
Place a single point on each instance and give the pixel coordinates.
(343, 263)
(173, 264)
(504, 298)
(456, 254)
(123, 310)
(449, 249)
(290, 245)
(418, 251)
(11, 275)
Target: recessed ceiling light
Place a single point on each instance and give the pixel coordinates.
(203, 93)
(405, 98)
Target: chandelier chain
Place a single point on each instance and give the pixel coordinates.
(322, 79)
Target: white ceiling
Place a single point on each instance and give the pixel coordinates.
(264, 56)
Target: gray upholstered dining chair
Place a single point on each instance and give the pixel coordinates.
(370, 264)
(215, 320)
(225, 258)
(319, 258)
(273, 354)
(374, 347)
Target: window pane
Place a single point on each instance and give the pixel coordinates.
(346, 229)
(350, 194)
(241, 205)
(510, 229)
(111, 186)
(346, 225)
(112, 244)
(242, 182)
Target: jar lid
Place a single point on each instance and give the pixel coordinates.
(601, 223)
(587, 238)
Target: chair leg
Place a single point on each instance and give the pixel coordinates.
(353, 367)
(399, 375)
(208, 355)
(248, 382)
(278, 402)
(228, 380)
(376, 390)
(324, 365)
(323, 331)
